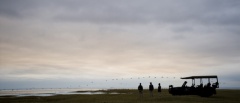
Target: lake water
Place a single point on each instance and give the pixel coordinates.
(48, 92)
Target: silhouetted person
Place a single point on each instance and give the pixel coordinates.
(184, 84)
(209, 85)
(140, 89)
(151, 89)
(159, 89)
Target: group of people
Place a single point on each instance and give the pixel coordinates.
(151, 88)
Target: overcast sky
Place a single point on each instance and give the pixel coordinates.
(60, 43)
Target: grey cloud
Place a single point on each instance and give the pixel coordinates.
(139, 11)
(199, 33)
(232, 77)
(9, 13)
(16, 9)
(157, 12)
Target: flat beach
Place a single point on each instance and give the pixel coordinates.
(127, 96)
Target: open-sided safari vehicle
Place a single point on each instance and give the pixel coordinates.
(204, 91)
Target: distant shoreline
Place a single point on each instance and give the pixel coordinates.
(53, 92)
(96, 89)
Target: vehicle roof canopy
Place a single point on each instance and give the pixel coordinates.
(199, 77)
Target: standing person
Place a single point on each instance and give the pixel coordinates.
(140, 89)
(159, 89)
(151, 89)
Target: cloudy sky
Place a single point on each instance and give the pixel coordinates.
(72, 43)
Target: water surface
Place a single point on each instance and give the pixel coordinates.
(48, 92)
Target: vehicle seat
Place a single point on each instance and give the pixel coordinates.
(200, 86)
(215, 85)
(193, 85)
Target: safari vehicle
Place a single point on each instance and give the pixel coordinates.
(204, 91)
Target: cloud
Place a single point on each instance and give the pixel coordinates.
(162, 12)
(53, 39)
(140, 11)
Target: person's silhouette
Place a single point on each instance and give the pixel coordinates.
(140, 89)
(151, 89)
(184, 84)
(159, 89)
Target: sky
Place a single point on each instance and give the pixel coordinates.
(117, 43)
